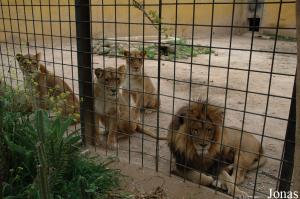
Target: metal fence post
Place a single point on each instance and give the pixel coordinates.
(158, 85)
(289, 148)
(296, 173)
(85, 71)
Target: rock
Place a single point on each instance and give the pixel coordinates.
(167, 49)
(102, 50)
(106, 43)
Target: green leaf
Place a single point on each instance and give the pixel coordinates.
(56, 129)
(17, 148)
(41, 123)
(72, 139)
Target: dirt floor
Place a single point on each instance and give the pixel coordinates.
(246, 72)
(145, 183)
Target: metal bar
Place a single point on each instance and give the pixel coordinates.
(143, 72)
(85, 72)
(158, 86)
(286, 172)
(269, 90)
(296, 176)
(130, 78)
(174, 82)
(104, 64)
(245, 104)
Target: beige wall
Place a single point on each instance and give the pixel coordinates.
(287, 17)
(51, 15)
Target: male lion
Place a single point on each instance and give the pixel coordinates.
(112, 109)
(198, 142)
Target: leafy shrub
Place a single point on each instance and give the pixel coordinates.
(183, 50)
(33, 145)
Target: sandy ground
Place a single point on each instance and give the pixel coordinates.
(244, 74)
(144, 181)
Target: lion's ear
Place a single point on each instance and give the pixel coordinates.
(126, 53)
(121, 69)
(177, 121)
(99, 72)
(216, 115)
(143, 54)
(19, 56)
(37, 57)
(182, 117)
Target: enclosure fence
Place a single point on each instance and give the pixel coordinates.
(234, 55)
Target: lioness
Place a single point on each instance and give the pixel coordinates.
(198, 142)
(41, 81)
(112, 109)
(137, 83)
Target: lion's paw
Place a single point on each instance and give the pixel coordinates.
(112, 144)
(218, 184)
(239, 194)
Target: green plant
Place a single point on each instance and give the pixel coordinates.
(15, 99)
(42, 172)
(183, 50)
(151, 51)
(44, 161)
(3, 151)
(20, 159)
(282, 38)
(153, 17)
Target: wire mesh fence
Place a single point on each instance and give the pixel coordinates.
(189, 88)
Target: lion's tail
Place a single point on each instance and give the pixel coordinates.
(150, 134)
(260, 161)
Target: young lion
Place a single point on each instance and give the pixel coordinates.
(195, 138)
(112, 109)
(39, 80)
(144, 97)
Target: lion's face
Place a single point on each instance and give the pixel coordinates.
(134, 60)
(29, 63)
(202, 135)
(203, 123)
(111, 78)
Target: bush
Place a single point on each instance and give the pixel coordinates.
(39, 159)
(184, 50)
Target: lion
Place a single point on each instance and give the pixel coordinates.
(46, 85)
(198, 141)
(112, 108)
(137, 84)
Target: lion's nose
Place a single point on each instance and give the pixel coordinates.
(203, 145)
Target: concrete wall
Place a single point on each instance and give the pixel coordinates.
(287, 17)
(43, 16)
